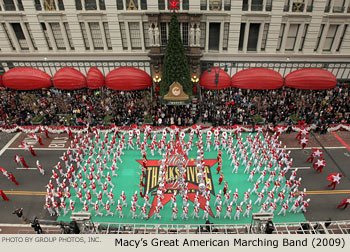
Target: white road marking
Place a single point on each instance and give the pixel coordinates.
(9, 143)
(20, 168)
(309, 148)
(53, 149)
(300, 168)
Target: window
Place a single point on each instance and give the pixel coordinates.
(185, 34)
(49, 5)
(46, 35)
(292, 36)
(90, 5)
(306, 27)
(203, 5)
(342, 38)
(268, 5)
(123, 35)
(102, 4)
(328, 6)
(257, 5)
(143, 4)
(253, 37)
(185, 5)
(332, 32)
(339, 6)
(37, 5)
(280, 37)
(120, 5)
(319, 37)
(215, 5)
(57, 34)
(163, 34)
(203, 33)
(286, 5)
(132, 4)
(8, 36)
(241, 37)
(214, 36)
(161, 5)
(310, 6)
(227, 5)
(146, 35)
(108, 36)
(17, 29)
(245, 5)
(60, 5)
(135, 35)
(20, 5)
(9, 5)
(78, 5)
(264, 37)
(31, 36)
(96, 35)
(225, 38)
(85, 37)
(69, 35)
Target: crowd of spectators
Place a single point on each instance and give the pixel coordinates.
(224, 107)
(281, 106)
(72, 107)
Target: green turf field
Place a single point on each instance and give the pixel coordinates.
(128, 179)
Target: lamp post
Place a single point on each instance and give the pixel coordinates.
(156, 80)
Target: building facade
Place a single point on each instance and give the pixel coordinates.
(216, 32)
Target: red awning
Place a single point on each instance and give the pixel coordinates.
(257, 78)
(311, 78)
(69, 78)
(26, 78)
(128, 78)
(95, 78)
(207, 79)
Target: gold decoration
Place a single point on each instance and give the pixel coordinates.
(298, 6)
(49, 5)
(176, 93)
(132, 5)
(215, 4)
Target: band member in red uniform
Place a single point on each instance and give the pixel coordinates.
(335, 179)
(24, 162)
(304, 141)
(3, 195)
(316, 153)
(13, 178)
(32, 151)
(344, 203)
(221, 178)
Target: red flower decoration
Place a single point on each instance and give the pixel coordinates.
(174, 5)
